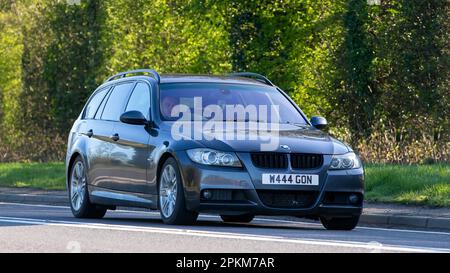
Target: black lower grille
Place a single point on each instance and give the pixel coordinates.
(269, 160)
(224, 195)
(288, 199)
(342, 198)
(306, 161)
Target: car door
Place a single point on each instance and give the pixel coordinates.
(131, 150)
(97, 133)
(106, 118)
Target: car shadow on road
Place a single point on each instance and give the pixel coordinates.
(143, 222)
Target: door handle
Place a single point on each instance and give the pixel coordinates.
(115, 137)
(90, 133)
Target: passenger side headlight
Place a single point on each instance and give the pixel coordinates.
(214, 158)
(346, 161)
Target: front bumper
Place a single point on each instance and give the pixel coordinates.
(330, 198)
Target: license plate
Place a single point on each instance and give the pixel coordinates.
(290, 179)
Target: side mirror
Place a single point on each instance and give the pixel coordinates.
(133, 117)
(319, 122)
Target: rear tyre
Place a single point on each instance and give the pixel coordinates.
(347, 223)
(78, 193)
(172, 203)
(243, 218)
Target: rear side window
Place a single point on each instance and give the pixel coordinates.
(116, 102)
(93, 104)
(102, 106)
(140, 100)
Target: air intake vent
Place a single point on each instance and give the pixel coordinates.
(306, 161)
(288, 199)
(270, 160)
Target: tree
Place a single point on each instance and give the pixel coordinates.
(74, 64)
(380, 74)
(172, 36)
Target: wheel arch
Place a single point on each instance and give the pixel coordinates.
(74, 156)
(166, 155)
(162, 159)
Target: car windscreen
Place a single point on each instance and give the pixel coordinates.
(260, 103)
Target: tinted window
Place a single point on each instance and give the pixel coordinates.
(116, 102)
(140, 99)
(93, 104)
(223, 95)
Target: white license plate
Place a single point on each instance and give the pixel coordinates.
(290, 179)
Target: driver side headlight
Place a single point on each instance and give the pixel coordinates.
(345, 161)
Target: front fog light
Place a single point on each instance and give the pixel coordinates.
(353, 199)
(207, 194)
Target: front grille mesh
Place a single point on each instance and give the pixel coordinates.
(306, 161)
(280, 160)
(269, 160)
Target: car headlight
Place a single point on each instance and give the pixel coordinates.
(214, 158)
(346, 161)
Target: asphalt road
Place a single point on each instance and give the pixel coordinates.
(40, 228)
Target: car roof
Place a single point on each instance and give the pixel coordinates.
(192, 78)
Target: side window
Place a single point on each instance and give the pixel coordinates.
(99, 113)
(116, 102)
(140, 100)
(93, 104)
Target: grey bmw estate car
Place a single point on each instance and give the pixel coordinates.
(130, 147)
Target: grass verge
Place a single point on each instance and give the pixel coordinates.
(415, 184)
(35, 175)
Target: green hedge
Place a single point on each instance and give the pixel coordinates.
(379, 73)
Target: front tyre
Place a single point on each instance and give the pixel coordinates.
(347, 223)
(172, 202)
(78, 193)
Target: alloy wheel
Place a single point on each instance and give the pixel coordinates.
(77, 186)
(168, 191)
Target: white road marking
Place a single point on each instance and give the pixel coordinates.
(34, 205)
(257, 219)
(222, 235)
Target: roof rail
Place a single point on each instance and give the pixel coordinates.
(124, 74)
(253, 75)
